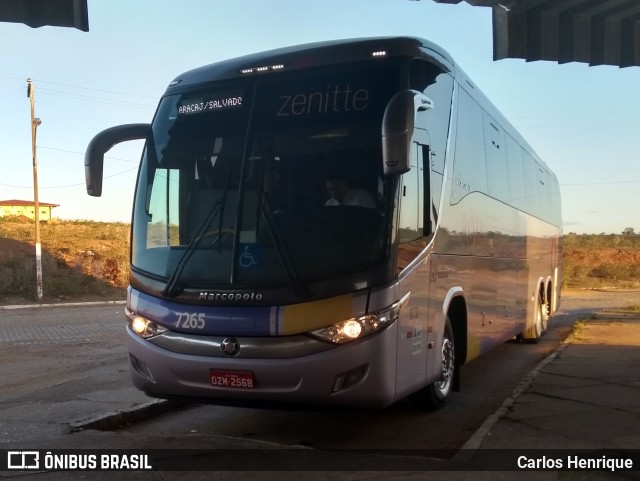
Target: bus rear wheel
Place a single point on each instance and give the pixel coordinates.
(435, 395)
(533, 333)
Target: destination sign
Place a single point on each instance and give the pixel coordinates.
(209, 103)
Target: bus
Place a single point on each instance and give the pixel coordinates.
(343, 223)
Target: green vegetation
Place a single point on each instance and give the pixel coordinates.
(86, 260)
(81, 260)
(576, 333)
(599, 261)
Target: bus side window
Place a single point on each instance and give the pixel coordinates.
(426, 202)
(414, 207)
(436, 84)
(163, 209)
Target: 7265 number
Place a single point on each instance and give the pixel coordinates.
(194, 320)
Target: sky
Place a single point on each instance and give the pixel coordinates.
(583, 121)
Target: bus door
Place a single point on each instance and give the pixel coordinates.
(415, 332)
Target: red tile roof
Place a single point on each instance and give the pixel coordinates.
(25, 203)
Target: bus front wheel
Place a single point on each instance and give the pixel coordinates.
(435, 395)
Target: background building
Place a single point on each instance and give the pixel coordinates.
(26, 208)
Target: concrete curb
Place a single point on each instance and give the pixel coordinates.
(475, 441)
(59, 304)
(114, 420)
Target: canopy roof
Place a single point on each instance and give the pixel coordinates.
(597, 32)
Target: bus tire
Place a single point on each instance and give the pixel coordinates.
(435, 395)
(546, 312)
(533, 333)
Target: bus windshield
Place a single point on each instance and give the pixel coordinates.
(271, 181)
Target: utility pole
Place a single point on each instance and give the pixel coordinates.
(36, 205)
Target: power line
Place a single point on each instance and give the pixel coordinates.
(96, 99)
(82, 153)
(65, 186)
(134, 168)
(74, 94)
(89, 97)
(98, 90)
(602, 183)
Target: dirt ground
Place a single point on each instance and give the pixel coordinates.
(588, 300)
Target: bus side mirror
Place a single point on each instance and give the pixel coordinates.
(100, 144)
(397, 129)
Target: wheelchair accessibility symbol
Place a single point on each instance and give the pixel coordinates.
(250, 256)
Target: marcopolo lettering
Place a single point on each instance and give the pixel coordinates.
(334, 99)
(230, 296)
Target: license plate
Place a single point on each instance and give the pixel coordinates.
(232, 379)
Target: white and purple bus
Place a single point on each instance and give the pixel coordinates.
(344, 223)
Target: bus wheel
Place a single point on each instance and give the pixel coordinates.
(435, 395)
(533, 333)
(546, 313)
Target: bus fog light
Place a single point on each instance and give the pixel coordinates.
(349, 378)
(141, 368)
(356, 328)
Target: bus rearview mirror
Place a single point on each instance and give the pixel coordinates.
(102, 143)
(397, 129)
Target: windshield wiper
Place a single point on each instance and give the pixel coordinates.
(289, 268)
(172, 288)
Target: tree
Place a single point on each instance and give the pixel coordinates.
(629, 231)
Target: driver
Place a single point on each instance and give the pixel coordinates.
(341, 194)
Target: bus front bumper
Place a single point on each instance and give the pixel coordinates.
(359, 373)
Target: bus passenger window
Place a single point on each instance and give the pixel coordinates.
(409, 227)
(414, 202)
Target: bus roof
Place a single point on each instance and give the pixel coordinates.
(311, 55)
(334, 52)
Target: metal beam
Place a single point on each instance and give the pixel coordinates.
(38, 13)
(597, 32)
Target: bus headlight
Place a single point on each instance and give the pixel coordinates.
(142, 326)
(358, 327)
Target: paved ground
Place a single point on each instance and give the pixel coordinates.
(586, 396)
(56, 373)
